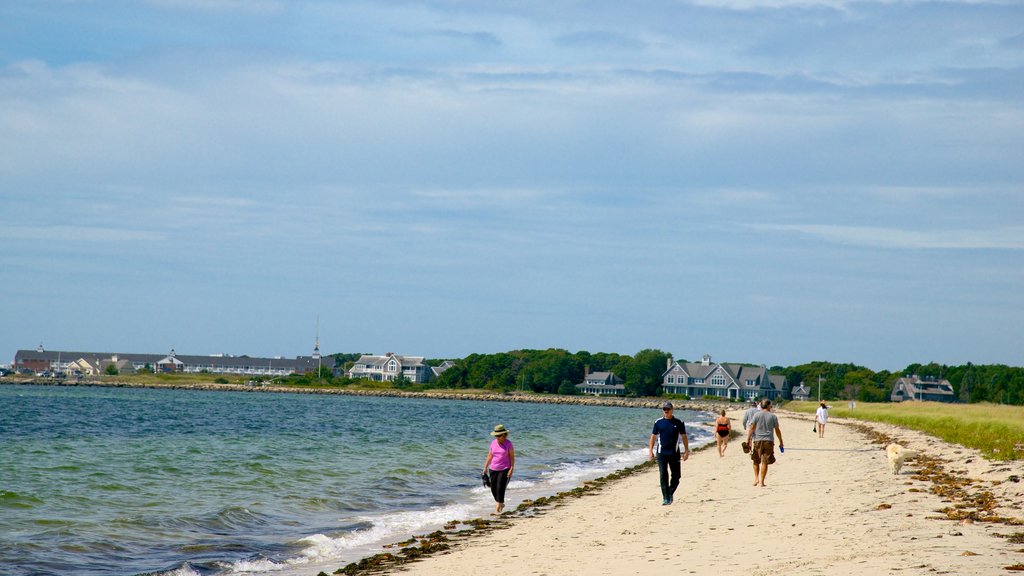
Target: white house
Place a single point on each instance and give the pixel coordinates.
(389, 367)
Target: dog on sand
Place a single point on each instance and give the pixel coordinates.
(897, 455)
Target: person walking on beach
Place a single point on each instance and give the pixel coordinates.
(722, 428)
(667, 432)
(501, 460)
(759, 436)
(821, 418)
(754, 409)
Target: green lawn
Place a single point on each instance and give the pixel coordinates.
(994, 429)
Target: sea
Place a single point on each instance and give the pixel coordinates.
(111, 481)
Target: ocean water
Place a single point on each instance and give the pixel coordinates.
(107, 481)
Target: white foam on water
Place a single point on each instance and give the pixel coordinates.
(257, 566)
(323, 551)
(183, 570)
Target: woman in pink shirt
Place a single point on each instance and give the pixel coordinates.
(501, 460)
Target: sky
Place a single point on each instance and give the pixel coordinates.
(764, 181)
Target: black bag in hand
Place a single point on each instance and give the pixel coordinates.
(486, 478)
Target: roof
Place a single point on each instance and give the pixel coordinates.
(739, 373)
(404, 360)
(915, 385)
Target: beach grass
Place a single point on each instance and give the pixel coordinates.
(997, 431)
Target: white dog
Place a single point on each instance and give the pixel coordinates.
(897, 455)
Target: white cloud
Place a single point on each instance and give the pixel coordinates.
(256, 6)
(67, 233)
(1006, 238)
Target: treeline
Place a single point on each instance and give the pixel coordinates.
(557, 371)
(554, 371)
(971, 383)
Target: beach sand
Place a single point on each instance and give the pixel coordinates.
(831, 507)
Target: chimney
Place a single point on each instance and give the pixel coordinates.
(668, 363)
(586, 371)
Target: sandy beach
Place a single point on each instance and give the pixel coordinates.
(831, 507)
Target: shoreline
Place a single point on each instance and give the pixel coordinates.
(830, 507)
(581, 400)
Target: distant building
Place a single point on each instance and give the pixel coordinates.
(67, 362)
(733, 381)
(390, 366)
(927, 388)
(601, 384)
(440, 368)
(801, 392)
(96, 366)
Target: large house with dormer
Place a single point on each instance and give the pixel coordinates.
(390, 366)
(601, 384)
(922, 388)
(732, 381)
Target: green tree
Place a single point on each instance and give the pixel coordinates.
(568, 388)
(644, 375)
(111, 369)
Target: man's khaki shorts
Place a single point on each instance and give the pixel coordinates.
(762, 449)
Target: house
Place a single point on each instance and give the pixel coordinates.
(68, 362)
(801, 392)
(922, 388)
(99, 366)
(440, 368)
(389, 367)
(733, 381)
(601, 384)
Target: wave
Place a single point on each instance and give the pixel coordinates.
(10, 499)
(185, 569)
(378, 530)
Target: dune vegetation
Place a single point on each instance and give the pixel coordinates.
(996, 430)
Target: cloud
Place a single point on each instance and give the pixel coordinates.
(599, 39)
(252, 6)
(770, 4)
(1004, 238)
(477, 39)
(75, 234)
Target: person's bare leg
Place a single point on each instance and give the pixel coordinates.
(764, 472)
(757, 470)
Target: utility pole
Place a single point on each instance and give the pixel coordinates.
(819, 388)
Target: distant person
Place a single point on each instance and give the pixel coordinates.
(754, 409)
(501, 460)
(821, 418)
(722, 428)
(759, 436)
(668, 431)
